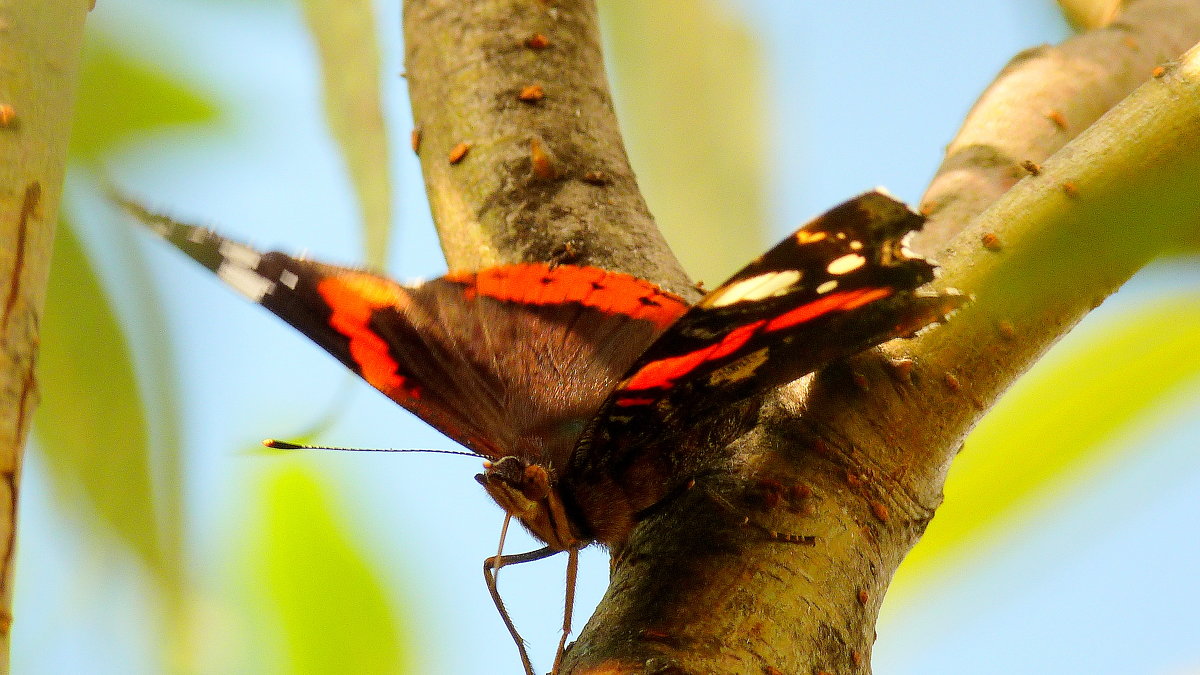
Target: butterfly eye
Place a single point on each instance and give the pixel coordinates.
(510, 469)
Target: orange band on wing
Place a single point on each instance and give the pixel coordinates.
(540, 284)
(352, 299)
(843, 302)
(663, 373)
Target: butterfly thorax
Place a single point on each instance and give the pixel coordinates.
(527, 492)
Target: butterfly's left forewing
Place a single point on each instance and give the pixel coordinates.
(510, 360)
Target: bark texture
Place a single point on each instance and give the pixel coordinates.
(40, 46)
(544, 175)
(857, 454)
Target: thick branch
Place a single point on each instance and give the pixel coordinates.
(467, 69)
(40, 46)
(858, 454)
(870, 442)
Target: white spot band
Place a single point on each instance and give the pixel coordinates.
(846, 263)
(246, 281)
(761, 287)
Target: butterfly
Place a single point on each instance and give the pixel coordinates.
(571, 380)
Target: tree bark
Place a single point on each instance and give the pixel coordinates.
(857, 454)
(40, 47)
(467, 65)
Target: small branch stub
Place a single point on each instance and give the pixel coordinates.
(1058, 118)
(990, 241)
(541, 162)
(537, 41)
(532, 93)
(458, 152)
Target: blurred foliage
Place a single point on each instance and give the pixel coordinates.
(1055, 428)
(1089, 14)
(689, 90)
(344, 33)
(317, 589)
(99, 456)
(120, 97)
(101, 450)
(105, 450)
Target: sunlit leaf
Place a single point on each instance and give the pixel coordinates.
(323, 597)
(1090, 14)
(689, 91)
(91, 424)
(120, 96)
(344, 31)
(1052, 430)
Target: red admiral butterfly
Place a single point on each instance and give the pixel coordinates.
(571, 380)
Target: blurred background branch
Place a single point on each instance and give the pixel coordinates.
(40, 51)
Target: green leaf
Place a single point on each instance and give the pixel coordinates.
(321, 594)
(120, 96)
(1090, 14)
(91, 424)
(1056, 428)
(344, 32)
(688, 87)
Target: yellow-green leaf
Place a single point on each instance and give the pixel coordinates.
(91, 425)
(120, 96)
(344, 32)
(1090, 14)
(321, 594)
(1053, 429)
(688, 87)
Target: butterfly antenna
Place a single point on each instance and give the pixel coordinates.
(284, 445)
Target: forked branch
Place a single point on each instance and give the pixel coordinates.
(855, 456)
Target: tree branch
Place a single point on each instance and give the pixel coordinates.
(698, 597)
(40, 46)
(1043, 98)
(855, 456)
(467, 67)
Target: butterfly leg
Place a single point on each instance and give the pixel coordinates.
(491, 567)
(569, 603)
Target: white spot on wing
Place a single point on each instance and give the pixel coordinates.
(288, 278)
(827, 286)
(767, 285)
(856, 245)
(246, 281)
(845, 264)
(239, 254)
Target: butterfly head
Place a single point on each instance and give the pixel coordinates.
(527, 492)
